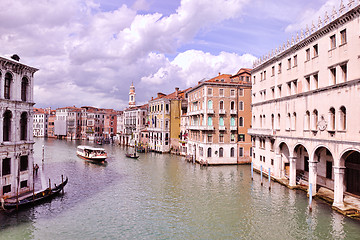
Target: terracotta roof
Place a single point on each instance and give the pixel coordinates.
(221, 78)
(39, 111)
(243, 70)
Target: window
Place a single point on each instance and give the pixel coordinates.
(7, 125)
(24, 163)
(241, 121)
(232, 105)
(209, 91)
(221, 152)
(264, 75)
(221, 138)
(343, 36)
(344, 72)
(232, 93)
(332, 119)
(241, 151)
(241, 137)
(279, 91)
(210, 122)
(221, 105)
(221, 92)
(232, 121)
(254, 80)
(6, 167)
(272, 162)
(241, 106)
(210, 104)
(6, 189)
(315, 118)
(272, 121)
(24, 87)
(307, 54)
(209, 136)
(278, 121)
(316, 81)
(221, 121)
(209, 152)
(273, 71)
(279, 68)
(241, 92)
(23, 184)
(306, 163)
(316, 50)
(342, 118)
(232, 152)
(332, 42)
(293, 122)
(232, 137)
(251, 150)
(295, 60)
(8, 79)
(289, 63)
(333, 76)
(23, 126)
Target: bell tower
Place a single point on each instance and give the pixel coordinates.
(132, 96)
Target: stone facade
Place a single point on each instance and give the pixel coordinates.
(304, 123)
(16, 138)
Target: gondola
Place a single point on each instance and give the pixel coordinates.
(33, 199)
(132, 155)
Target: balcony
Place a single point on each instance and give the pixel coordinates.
(261, 132)
(222, 111)
(197, 112)
(233, 112)
(233, 128)
(222, 128)
(210, 111)
(208, 128)
(194, 127)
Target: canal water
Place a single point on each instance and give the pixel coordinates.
(161, 196)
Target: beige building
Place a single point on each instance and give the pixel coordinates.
(16, 138)
(305, 107)
(215, 136)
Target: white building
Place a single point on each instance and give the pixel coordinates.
(40, 125)
(305, 107)
(16, 138)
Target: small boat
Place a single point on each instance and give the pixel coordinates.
(140, 149)
(131, 155)
(33, 198)
(91, 153)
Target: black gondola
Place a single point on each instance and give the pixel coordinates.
(131, 155)
(33, 199)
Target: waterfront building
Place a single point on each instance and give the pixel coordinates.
(94, 120)
(134, 123)
(51, 124)
(213, 110)
(110, 124)
(184, 123)
(40, 125)
(16, 107)
(164, 121)
(67, 123)
(305, 117)
(120, 128)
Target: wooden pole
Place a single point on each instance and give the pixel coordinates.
(269, 179)
(310, 197)
(62, 181)
(49, 183)
(252, 171)
(33, 182)
(261, 175)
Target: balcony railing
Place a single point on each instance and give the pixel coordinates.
(222, 111)
(222, 128)
(233, 128)
(210, 111)
(201, 127)
(233, 112)
(261, 131)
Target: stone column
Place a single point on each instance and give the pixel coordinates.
(312, 175)
(339, 173)
(1, 126)
(292, 180)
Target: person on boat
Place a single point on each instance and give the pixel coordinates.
(36, 169)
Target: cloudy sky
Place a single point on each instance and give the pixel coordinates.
(89, 51)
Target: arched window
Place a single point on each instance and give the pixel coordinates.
(232, 121)
(221, 152)
(210, 123)
(209, 152)
(272, 121)
(307, 121)
(210, 104)
(241, 121)
(221, 105)
(342, 119)
(288, 121)
(7, 125)
(232, 105)
(332, 119)
(232, 152)
(278, 121)
(315, 119)
(23, 126)
(264, 121)
(7, 84)
(261, 121)
(155, 121)
(293, 122)
(241, 106)
(221, 121)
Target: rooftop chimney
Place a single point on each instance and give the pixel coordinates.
(15, 57)
(177, 92)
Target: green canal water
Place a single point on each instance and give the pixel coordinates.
(161, 196)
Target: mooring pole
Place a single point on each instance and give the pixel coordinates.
(261, 175)
(43, 154)
(62, 182)
(269, 173)
(252, 171)
(310, 197)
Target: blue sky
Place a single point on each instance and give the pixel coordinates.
(89, 51)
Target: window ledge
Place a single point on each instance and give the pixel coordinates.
(332, 49)
(343, 44)
(315, 56)
(341, 131)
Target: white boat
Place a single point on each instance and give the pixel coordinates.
(91, 153)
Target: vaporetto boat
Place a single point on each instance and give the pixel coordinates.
(91, 153)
